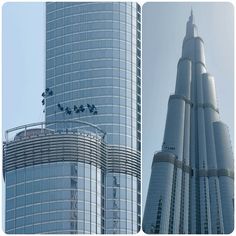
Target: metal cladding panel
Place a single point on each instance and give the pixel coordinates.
(223, 146)
(196, 55)
(213, 203)
(210, 117)
(215, 206)
(185, 212)
(200, 68)
(187, 51)
(162, 175)
(177, 193)
(192, 206)
(186, 150)
(202, 139)
(207, 199)
(174, 130)
(192, 138)
(199, 85)
(224, 156)
(209, 89)
(191, 30)
(54, 148)
(205, 206)
(123, 160)
(227, 201)
(199, 50)
(183, 81)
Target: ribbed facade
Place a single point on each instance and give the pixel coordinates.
(54, 181)
(93, 57)
(191, 189)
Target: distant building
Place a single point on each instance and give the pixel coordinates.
(191, 189)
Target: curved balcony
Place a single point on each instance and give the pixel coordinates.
(62, 127)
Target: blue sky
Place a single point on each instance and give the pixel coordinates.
(23, 61)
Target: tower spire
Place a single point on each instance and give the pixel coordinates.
(191, 15)
(191, 30)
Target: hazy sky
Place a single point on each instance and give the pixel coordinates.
(164, 26)
(23, 61)
(163, 31)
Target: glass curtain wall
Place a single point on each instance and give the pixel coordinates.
(94, 57)
(46, 198)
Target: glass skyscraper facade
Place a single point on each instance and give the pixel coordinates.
(191, 188)
(93, 57)
(47, 189)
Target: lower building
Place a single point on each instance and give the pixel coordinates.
(62, 182)
(55, 181)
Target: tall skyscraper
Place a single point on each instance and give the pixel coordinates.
(79, 172)
(191, 188)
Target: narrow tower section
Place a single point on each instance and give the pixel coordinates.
(191, 185)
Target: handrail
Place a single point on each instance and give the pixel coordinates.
(43, 125)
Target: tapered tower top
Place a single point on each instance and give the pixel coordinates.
(191, 16)
(191, 30)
